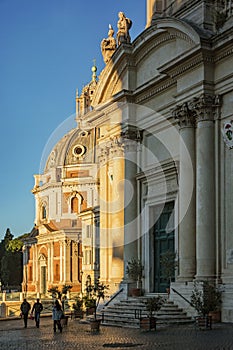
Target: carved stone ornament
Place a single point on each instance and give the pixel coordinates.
(124, 24)
(108, 45)
(203, 108)
(184, 115)
(52, 159)
(227, 132)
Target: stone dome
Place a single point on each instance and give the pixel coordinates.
(76, 147)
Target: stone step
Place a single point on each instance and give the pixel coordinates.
(123, 313)
(170, 312)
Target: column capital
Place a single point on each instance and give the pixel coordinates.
(185, 115)
(115, 148)
(67, 242)
(103, 153)
(131, 132)
(129, 139)
(206, 107)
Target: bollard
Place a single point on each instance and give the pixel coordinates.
(3, 310)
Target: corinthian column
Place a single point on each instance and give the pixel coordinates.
(130, 140)
(130, 201)
(104, 209)
(187, 212)
(205, 208)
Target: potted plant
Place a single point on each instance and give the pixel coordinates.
(152, 306)
(206, 299)
(78, 307)
(94, 293)
(65, 290)
(168, 265)
(134, 270)
(89, 303)
(56, 293)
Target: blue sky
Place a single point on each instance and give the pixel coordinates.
(47, 49)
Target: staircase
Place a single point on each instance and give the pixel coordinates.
(126, 313)
(171, 314)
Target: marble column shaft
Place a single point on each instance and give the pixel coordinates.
(187, 212)
(205, 203)
(130, 202)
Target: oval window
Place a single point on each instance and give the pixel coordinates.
(78, 150)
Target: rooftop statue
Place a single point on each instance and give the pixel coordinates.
(108, 46)
(123, 25)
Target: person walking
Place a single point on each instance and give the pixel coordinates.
(25, 308)
(56, 316)
(37, 307)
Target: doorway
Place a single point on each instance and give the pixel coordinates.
(163, 241)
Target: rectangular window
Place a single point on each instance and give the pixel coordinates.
(88, 231)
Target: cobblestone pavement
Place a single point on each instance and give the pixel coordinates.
(78, 336)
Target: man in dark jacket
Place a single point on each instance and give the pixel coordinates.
(25, 308)
(37, 307)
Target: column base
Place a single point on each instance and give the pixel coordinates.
(205, 278)
(185, 278)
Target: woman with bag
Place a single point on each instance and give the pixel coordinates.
(56, 316)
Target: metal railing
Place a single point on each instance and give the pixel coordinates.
(178, 293)
(11, 308)
(114, 296)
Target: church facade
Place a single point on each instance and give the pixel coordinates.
(149, 167)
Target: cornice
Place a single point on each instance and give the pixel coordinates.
(165, 37)
(111, 74)
(46, 186)
(225, 53)
(222, 39)
(127, 57)
(150, 91)
(79, 184)
(172, 70)
(166, 167)
(187, 61)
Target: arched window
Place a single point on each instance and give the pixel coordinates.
(74, 205)
(44, 214)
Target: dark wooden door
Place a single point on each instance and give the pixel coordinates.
(163, 233)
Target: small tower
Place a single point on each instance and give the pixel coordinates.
(83, 102)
